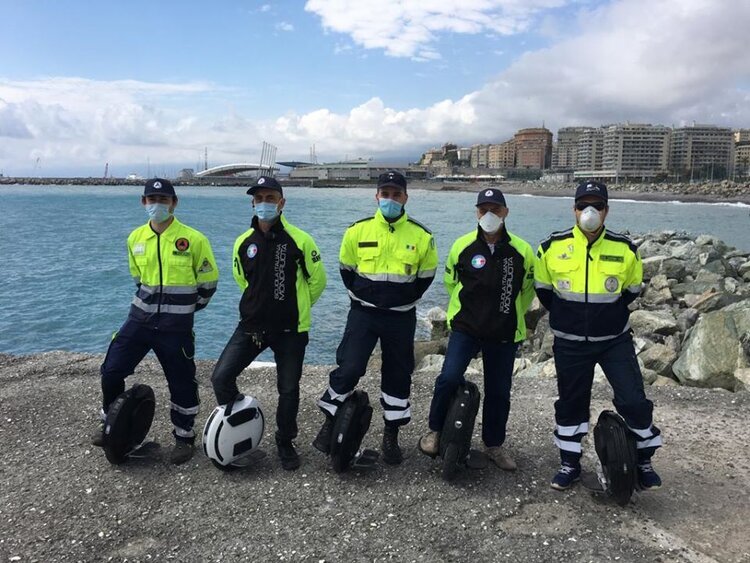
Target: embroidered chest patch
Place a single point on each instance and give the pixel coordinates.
(478, 261)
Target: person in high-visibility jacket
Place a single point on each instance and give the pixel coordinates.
(489, 276)
(279, 270)
(586, 277)
(387, 262)
(175, 274)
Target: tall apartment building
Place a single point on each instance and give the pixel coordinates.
(698, 148)
(479, 154)
(590, 148)
(636, 150)
(502, 155)
(742, 159)
(533, 148)
(741, 135)
(565, 151)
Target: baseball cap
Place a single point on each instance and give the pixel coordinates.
(491, 195)
(159, 186)
(591, 188)
(266, 182)
(392, 179)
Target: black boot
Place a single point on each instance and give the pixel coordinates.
(287, 454)
(391, 451)
(322, 441)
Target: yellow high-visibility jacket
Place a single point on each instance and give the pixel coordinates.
(387, 265)
(587, 287)
(175, 273)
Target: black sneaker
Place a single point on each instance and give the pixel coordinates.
(322, 441)
(565, 476)
(181, 452)
(648, 479)
(288, 455)
(97, 438)
(391, 451)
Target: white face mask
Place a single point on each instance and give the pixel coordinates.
(490, 223)
(590, 220)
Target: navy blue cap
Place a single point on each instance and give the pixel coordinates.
(159, 186)
(392, 179)
(596, 189)
(267, 183)
(491, 195)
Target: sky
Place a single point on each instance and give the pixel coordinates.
(149, 86)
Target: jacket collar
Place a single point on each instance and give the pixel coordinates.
(169, 232)
(278, 226)
(504, 236)
(579, 235)
(381, 219)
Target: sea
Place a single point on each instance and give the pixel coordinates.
(65, 270)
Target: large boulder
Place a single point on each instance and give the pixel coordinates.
(717, 346)
(652, 266)
(645, 323)
(659, 358)
(544, 369)
(424, 348)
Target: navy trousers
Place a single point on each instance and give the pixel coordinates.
(288, 351)
(498, 359)
(575, 362)
(175, 351)
(364, 327)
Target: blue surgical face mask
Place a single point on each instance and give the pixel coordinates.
(158, 212)
(266, 212)
(390, 208)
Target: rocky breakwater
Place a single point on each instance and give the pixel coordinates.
(691, 323)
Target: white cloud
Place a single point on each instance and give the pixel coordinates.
(685, 61)
(265, 8)
(284, 26)
(410, 29)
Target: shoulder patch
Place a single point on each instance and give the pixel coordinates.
(557, 235)
(361, 221)
(617, 237)
(410, 220)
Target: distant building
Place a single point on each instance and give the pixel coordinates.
(479, 156)
(742, 159)
(590, 150)
(186, 174)
(636, 150)
(741, 135)
(502, 155)
(702, 149)
(358, 169)
(565, 150)
(533, 148)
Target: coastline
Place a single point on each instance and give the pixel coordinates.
(715, 192)
(635, 192)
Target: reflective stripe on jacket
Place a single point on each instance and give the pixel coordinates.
(175, 272)
(281, 276)
(587, 287)
(490, 291)
(387, 265)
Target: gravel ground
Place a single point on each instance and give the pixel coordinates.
(60, 500)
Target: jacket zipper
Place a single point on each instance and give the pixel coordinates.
(586, 293)
(161, 279)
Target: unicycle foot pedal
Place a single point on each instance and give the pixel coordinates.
(365, 460)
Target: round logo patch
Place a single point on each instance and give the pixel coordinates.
(252, 250)
(611, 284)
(478, 261)
(488, 193)
(157, 185)
(182, 244)
(261, 181)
